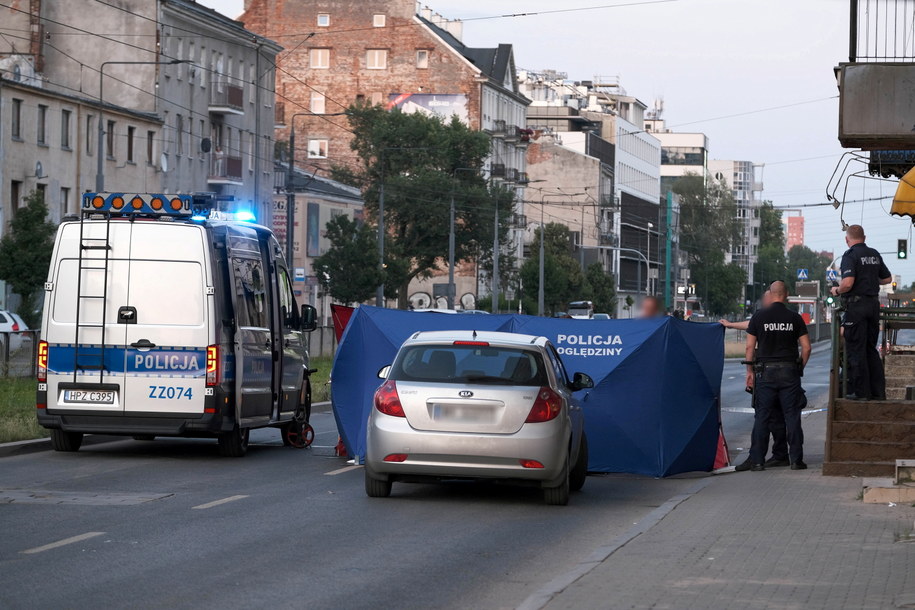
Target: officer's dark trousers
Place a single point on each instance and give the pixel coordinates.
(862, 330)
(774, 386)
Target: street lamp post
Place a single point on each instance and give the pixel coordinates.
(540, 289)
(100, 152)
(290, 191)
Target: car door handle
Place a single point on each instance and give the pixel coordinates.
(143, 344)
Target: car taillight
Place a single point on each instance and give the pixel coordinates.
(396, 457)
(546, 407)
(473, 343)
(42, 361)
(530, 464)
(15, 327)
(387, 401)
(212, 365)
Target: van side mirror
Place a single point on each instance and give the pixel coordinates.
(581, 381)
(383, 372)
(309, 318)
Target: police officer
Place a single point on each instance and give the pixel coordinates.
(863, 271)
(773, 336)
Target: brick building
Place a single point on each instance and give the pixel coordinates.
(399, 54)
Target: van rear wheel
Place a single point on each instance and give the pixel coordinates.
(66, 441)
(234, 443)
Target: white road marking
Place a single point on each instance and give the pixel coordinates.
(64, 542)
(218, 502)
(342, 470)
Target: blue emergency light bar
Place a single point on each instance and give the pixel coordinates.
(147, 204)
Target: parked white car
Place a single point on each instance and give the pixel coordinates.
(11, 328)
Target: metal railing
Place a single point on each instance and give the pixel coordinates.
(224, 167)
(881, 31)
(226, 94)
(18, 351)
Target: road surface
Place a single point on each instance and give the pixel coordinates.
(169, 523)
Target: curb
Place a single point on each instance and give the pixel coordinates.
(44, 444)
(817, 347)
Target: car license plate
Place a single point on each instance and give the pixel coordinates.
(101, 397)
(460, 413)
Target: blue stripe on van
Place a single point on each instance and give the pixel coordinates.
(186, 362)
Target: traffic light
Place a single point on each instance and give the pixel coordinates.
(894, 286)
(830, 300)
(902, 248)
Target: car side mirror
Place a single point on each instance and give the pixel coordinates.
(383, 372)
(309, 318)
(581, 381)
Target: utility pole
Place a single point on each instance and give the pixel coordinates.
(290, 193)
(669, 238)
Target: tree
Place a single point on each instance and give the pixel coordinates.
(25, 254)
(348, 271)
(603, 288)
(708, 218)
(421, 162)
(771, 263)
(802, 257)
(562, 275)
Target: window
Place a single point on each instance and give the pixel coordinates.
(109, 136)
(190, 138)
(179, 134)
(16, 120)
(64, 201)
(319, 58)
(378, 21)
(16, 194)
(42, 125)
(422, 59)
(376, 59)
(65, 129)
(90, 133)
(470, 364)
(150, 146)
(287, 301)
(317, 149)
(131, 132)
(251, 308)
(252, 151)
(252, 87)
(318, 102)
(323, 20)
(42, 190)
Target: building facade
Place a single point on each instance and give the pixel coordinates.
(794, 229)
(744, 178)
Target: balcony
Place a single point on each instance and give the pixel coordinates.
(498, 129)
(511, 174)
(519, 221)
(226, 96)
(279, 115)
(497, 170)
(225, 170)
(512, 133)
(525, 136)
(523, 178)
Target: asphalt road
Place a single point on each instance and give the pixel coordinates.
(171, 524)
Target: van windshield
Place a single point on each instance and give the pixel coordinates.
(470, 364)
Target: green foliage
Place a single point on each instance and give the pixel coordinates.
(348, 271)
(802, 257)
(771, 229)
(603, 288)
(422, 162)
(25, 254)
(771, 263)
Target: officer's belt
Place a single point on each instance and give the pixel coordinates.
(778, 364)
(858, 297)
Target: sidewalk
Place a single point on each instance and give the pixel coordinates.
(773, 539)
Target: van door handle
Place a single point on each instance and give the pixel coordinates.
(143, 344)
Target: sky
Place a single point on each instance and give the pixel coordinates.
(768, 61)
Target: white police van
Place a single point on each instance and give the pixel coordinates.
(161, 319)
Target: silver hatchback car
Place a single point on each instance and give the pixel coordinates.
(478, 405)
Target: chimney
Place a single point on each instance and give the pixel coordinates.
(456, 29)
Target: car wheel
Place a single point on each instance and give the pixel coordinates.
(376, 488)
(234, 443)
(144, 437)
(580, 470)
(66, 441)
(559, 495)
(298, 434)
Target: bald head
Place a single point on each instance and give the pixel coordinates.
(854, 234)
(778, 292)
(767, 298)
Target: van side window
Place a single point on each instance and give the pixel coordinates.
(251, 307)
(287, 301)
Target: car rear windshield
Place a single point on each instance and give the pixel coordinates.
(470, 364)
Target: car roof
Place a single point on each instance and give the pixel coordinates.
(448, 336)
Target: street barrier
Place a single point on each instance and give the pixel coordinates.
(17, 353)
(654, 409)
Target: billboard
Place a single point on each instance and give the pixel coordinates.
(444, 105)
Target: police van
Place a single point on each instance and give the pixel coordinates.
(164, 318)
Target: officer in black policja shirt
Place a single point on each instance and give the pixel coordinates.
(773, 337)
(863, 272)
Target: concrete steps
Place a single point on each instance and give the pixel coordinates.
(866, 438)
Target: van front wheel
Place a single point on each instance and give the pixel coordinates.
(234, 443)
(66, 441)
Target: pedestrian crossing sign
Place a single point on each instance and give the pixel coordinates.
(832, 275)
(802, 274)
